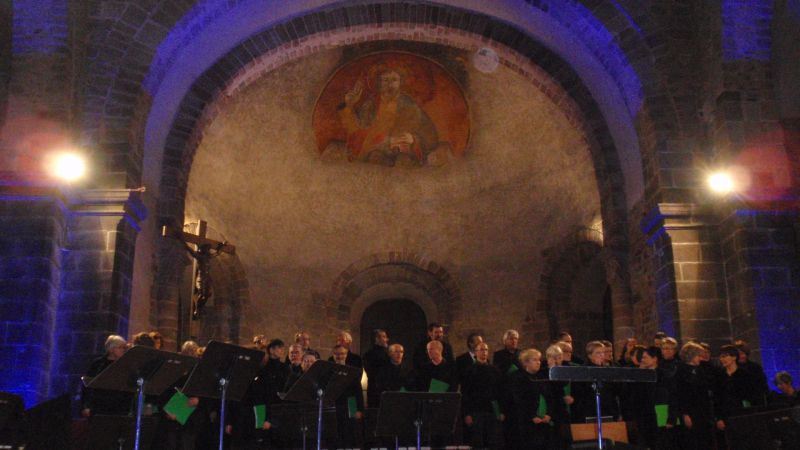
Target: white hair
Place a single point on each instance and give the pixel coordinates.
(114, 341)
(190, 348)
(510, 333)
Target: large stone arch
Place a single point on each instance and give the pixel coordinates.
(391, 275)
(562, 263)
(197, 112)
(609, 51)
(608, 71)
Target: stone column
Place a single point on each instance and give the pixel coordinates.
(66, 269)
(31, 234)
(690, 297)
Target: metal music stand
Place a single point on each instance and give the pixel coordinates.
(324, 382)
(224, 372)
(289, 419)
(120, 432)
(145, 371)
(406, 413)
(597, 376)
(12, 412)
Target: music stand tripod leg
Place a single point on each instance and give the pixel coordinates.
(223, 386)
(319, 419)
(139, 407)
(418, 425)
(596, 386)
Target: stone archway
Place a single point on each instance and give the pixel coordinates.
(393, 275)
(404, 321)
(582, 290)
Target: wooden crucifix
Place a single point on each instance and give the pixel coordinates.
(204, 250)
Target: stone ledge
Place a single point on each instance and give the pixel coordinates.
(124, 203)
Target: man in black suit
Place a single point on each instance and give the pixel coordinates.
(344, 339)
(467, 359)
(507, 362)
(374, 360)
(435, 333)
(392, 376)
(508, 356)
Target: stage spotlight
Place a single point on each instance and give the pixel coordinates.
(67, 166)
(721, 183)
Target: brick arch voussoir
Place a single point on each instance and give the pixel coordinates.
(120, 65)
(393, 267)
(122, 42)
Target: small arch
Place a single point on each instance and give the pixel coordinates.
(392, 275)
(582, 266)
(403, 319)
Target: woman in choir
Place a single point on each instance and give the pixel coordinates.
(561, 391)
(627, 352)
(653, 406)
(693, 382)
(669, 352)
(788, 395)
(306, 362)
(734, 389)
(584, 406)
(101, 401)
(533, 405)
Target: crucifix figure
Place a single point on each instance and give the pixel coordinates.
(205, 249)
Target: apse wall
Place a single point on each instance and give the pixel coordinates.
(300, 216)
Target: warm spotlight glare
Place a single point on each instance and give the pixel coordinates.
(68, 166)
(720, 182)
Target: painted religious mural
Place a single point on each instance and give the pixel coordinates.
(394, 109)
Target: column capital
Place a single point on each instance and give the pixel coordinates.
(123, 203)
(669, 216)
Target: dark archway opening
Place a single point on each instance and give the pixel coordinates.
(403, 320)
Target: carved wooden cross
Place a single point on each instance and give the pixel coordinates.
(205, 250)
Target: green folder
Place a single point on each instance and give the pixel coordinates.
(746, 404)
(662, 412)
(513, 368)
(352, 407)
(403, 389)
(568, 389)
(496, 409)
(541, 410)
(178, 406)
(260, 411)
(438, 386)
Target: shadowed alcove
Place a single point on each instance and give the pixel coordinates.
(403, 320)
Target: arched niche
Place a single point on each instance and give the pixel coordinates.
(403, 319)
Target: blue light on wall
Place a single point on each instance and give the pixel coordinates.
(40, 26)
(779, 332)
(746, 33)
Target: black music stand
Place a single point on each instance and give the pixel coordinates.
(288, 419)
(224, 372)
(12, 412)
(47, 425)
(109, 432)
(145, 371)
(406, 413)
(324, 382)
(598, 375)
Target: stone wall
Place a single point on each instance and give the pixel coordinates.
(30, 266)
(525, 181)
